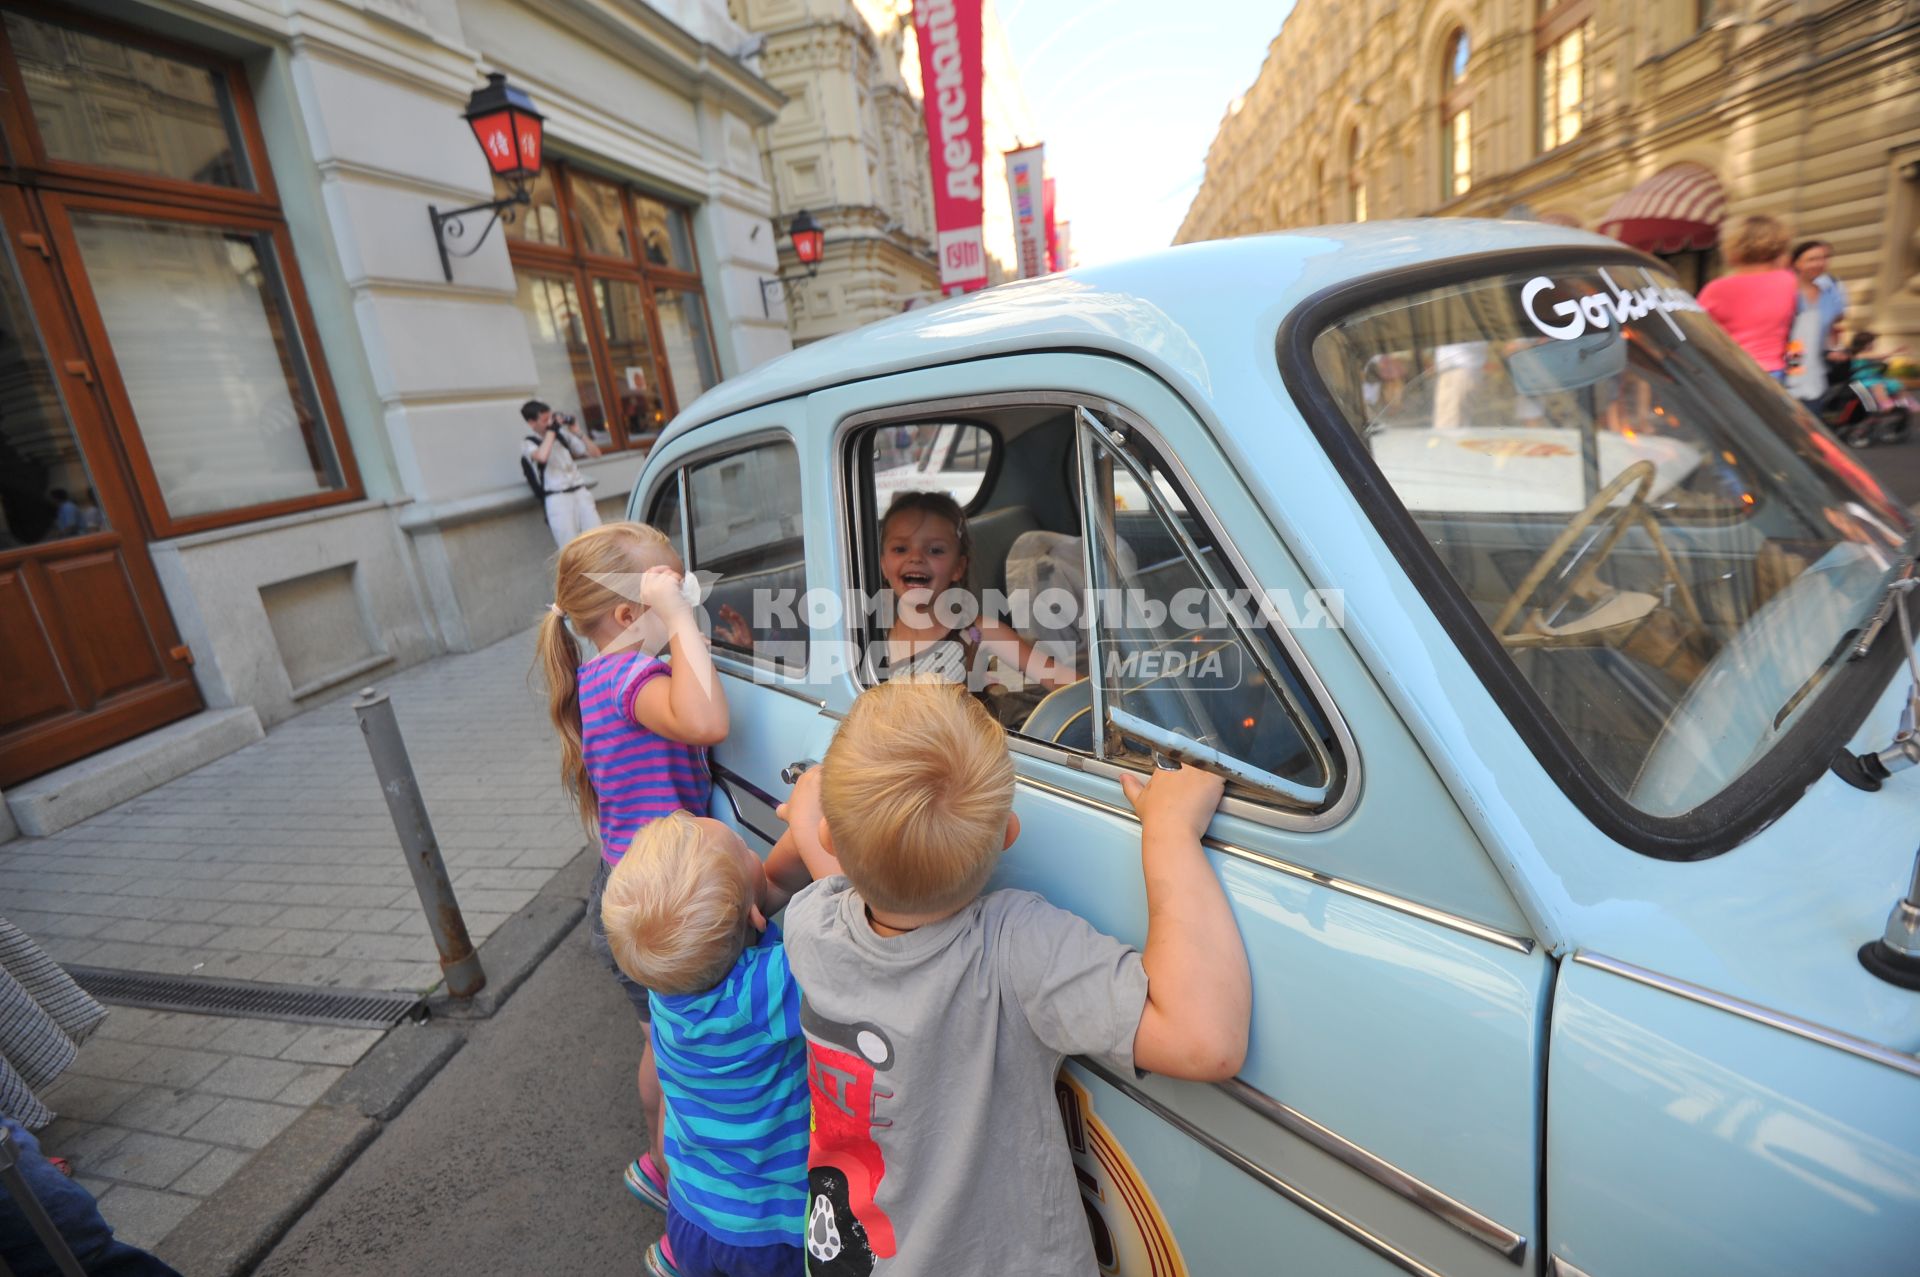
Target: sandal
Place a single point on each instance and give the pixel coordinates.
(659, 1260)
(645, 1182)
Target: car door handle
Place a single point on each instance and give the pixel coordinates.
(793, 771)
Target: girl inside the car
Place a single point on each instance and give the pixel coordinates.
(938, 627)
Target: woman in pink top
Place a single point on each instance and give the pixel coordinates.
(1755, 301)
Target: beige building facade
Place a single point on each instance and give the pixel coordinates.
(1574, 111)
(850, 148)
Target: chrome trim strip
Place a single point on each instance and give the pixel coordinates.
(1265, 1178)
(847, 547)
(728, 776)
(746, 671)
(1503, 1241)
(1413, 909)
(1558, 1267)
(1793, 1024)
(739, 815)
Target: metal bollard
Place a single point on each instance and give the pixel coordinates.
(458, 962)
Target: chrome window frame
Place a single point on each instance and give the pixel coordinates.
(850, 545)
(740, 664)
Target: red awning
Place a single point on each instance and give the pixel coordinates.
(1677, 209)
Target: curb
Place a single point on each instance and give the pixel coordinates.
(231, 1231)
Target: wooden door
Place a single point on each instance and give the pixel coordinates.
(88, 653)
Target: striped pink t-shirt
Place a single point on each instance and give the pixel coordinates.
(637, 775)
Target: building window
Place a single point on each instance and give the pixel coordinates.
(1561, 50)
(611, 294)
(143, 159)
(1456, 118)
(1356, 178)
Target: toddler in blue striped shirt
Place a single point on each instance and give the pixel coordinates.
(685, 913)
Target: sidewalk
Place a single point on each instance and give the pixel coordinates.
(278, 864)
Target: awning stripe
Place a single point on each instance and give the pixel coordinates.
(1681, 204)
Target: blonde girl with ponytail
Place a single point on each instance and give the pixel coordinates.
(634, 729)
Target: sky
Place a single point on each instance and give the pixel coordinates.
(1127, 95)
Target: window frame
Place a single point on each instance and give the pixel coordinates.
(679, 475)
(1558, 20)
(1764, 793)
(571, 259)
(64, 186)
(850, 496)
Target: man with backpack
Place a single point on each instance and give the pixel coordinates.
(550, 471)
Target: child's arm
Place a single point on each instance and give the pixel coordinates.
(1199, 992)
(999, 640)
(686, 704)
(799, 857)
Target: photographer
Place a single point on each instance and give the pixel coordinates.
(569, 505)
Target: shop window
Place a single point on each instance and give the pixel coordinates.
(1456, 118)
(1561, 43)
(645, 349)
(141, 158)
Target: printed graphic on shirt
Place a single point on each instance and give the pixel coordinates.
(847, 1232)
(1130, 1235)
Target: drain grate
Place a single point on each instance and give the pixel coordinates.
(342, 1008)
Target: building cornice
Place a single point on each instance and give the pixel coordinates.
(659, 46)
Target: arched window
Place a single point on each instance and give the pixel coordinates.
(1456, 118)
(1356, 178)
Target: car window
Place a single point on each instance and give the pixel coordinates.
(1182, 666)
(665, 514)
(744, 519)
(940, 457)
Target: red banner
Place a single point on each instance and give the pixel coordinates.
(949, 36)
(1053, 229)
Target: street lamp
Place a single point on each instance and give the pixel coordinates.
(510, 133)
(809, 243)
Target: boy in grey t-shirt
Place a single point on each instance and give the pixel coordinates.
(936, 1017)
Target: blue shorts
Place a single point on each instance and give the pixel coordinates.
(597, 943)
(697, 1253)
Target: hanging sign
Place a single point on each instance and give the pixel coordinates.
(1054, 259)
(949, 35)
(1026, 179)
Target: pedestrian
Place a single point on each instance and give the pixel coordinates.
(1755, 300)
(634, 730)
(549, 454)
(937, 1016)
(685, 912)
(1815, 342)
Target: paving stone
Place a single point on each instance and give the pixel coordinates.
(370, 920)
(179, 1028)
(327, 1045)
(163, 1111)
(251, 1078)
(302, 944)
(125, 1024)
(249, 915)
(141, 1216)
(152, 1161)
(80, 1142)
(314, 1081)
(213, 1170)
(255, 939)
(263, 1038)
(246, 1123)
(90, 1099)
(140, 1062)
(382, 947)
(310, 916)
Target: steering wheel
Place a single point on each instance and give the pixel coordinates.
(1641, 474)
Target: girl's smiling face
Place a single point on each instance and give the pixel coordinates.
(920, 556)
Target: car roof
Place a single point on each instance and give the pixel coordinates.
(1164, 310)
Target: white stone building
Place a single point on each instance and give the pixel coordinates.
(254, 447)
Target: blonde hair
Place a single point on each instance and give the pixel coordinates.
(1758, 239)
(916, 789)
(677, 909)
(580, 590)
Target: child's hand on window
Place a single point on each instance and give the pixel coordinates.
(1180, 800)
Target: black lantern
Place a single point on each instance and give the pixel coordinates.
(809, 241)
(511, 134)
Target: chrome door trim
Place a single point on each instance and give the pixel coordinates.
(1820, 1033)
(848, 542)
(1373, 895)
(724, 781)
(1503, 1241)
(731, 778)
(740, 668)
(1558, 1267)
(1264, 1177)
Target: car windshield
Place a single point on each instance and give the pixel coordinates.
(1672, 553)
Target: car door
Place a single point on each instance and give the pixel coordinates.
(1388, 1114)
(746, 517)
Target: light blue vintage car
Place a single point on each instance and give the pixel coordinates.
(1555, 661)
